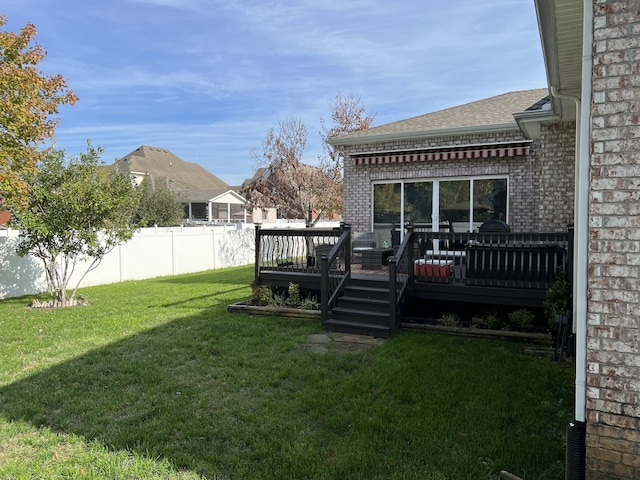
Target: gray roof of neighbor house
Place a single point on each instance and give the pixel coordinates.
(189, 180)
(490, 112)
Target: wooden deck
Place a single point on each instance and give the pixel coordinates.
(501, 269)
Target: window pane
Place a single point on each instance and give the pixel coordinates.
(386, 211)
(489, 200)
(455, 201)
(418, 202)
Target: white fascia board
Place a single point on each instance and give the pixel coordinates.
(229, 195)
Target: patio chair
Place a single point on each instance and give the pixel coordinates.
(360, 242)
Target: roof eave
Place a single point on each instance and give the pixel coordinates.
(529, 121)
(442, 132)
(559, 38)
(233, 193)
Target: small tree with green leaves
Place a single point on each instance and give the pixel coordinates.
(158, 206)
(78, 210)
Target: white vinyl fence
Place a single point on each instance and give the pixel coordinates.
(152, 252)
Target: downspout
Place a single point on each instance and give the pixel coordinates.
(576, 431)
(581, 205)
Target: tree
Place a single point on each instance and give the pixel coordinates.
(286, 183)
(78, 209)
(348, 116)
(297, 188)
(158, 206)
(29, 101)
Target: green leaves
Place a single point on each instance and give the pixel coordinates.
(158, 206)
(78, 209)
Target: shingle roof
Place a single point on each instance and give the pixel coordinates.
(191, 181)
(496, 110)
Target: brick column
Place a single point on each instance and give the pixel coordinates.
(613, 344)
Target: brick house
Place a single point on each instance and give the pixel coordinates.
(570, 158)
(507, 157)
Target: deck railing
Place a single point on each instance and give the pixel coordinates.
(335, 272)
(322, 257)
(510, 260)
(321, 253)
(399, 274)
(293, 250)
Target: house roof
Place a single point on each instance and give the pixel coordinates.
(189, 180)
(493, 113)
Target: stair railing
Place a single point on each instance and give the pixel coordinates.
(399, 276)
(335, 272)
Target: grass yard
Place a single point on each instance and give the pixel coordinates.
(155, 379)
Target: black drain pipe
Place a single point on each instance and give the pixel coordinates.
(576, 447)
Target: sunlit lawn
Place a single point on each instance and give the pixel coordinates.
(155, 379)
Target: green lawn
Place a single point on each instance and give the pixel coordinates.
(155, 379)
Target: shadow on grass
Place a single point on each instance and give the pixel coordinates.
(192, 391)
(232, 396)
(230, 275)
(209, 296)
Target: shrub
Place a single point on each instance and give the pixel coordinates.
(262, 294)
(450, 320)
(494, 320)
(310, 303)
(556, 301)
(523, 318)
(293, 295)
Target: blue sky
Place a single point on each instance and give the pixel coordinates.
(207, 79)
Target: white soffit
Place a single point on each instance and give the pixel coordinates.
(560, 24)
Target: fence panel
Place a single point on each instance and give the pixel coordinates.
(152, 252)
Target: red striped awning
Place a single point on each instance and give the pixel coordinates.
(449, 153)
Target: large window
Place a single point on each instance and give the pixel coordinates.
(461, 204)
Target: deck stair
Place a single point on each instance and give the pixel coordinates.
(363, 308)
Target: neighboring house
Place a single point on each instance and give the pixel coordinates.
(264, 214)
(205, 196)
(570, 159)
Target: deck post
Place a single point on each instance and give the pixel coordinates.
(410, 258)
(393, 313)
(324, 289)
(257, 254)
(347, 253)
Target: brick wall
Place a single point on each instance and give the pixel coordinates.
(613, 330)
(540, 184)
(556, 176)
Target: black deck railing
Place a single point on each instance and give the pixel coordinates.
(399, 278)
(322, 258)
(293, 250)
(323, 254)
(335, 272)
(510, 260)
